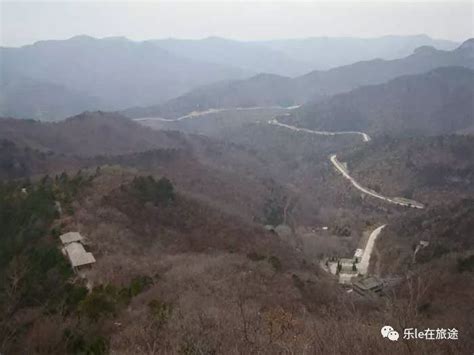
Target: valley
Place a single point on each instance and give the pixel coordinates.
(268, 174)
(363, 264)
(211, 195)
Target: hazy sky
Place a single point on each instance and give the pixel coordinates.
(27, 22)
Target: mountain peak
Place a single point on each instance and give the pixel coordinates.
(467, 44)
(82, 38)
(425, 50)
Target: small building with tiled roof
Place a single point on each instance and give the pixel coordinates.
(74, 249)
(71, 237)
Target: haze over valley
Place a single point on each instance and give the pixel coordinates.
(217, 194)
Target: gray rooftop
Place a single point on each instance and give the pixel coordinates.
(71, 237)
(77, 255)
(368, 283)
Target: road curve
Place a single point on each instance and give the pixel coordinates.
(363, 265)
(395, 200)
(195, 114)
(365, 137)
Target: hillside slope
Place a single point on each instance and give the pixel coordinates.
(262, 90)
(321, 84)
(87, 134)
(292, 57)
(176, 273)
(314, 86)
(438, 102)
(249, 56)
(434, 170)
(118, 72)
(330, 52)
(446, 228)
(25, 98)
(196, 163)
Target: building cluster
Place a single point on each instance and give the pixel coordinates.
(346, 269)
(367, 286)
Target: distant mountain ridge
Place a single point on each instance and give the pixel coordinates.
(293, 57)
(116, 73)
(248, 56)
(87, 134)
(331, 52)
(26, 97)
(315, 86)
(438, 102)
(260, 90)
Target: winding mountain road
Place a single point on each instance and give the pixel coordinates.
(365, 136)
(363, 265)
(401, 201)
(195, 114)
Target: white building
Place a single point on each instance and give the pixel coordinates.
(74, 250)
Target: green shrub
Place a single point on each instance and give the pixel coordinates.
(55, 233)
(160, 311)
(297, 281)
(107, 300)
(80, 343)
(275, 263)
(102, 301)
(46, 277)
(147, 189)
(466, 264)
(255, 256)
(139, 284)
(273, 212)
(75, 294)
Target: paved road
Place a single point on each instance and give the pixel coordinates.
(395, 200)
(366, 138)
(363, 265)
(195, 114)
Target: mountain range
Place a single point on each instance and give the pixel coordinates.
(293, 57)
(115, 72)
(51, 80)
(208, 256)
(438, 102)
(274, 90)
(330, 52)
